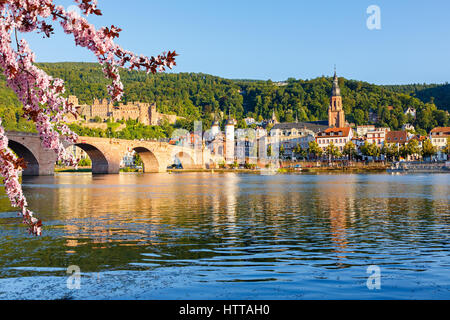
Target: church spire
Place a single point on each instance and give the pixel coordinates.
(336, 92)
(336, 116)
(274, 118)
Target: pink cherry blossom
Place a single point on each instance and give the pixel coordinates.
(41, 94)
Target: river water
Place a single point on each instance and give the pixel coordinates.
(230, 236)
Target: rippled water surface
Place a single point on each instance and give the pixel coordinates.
(230, 236)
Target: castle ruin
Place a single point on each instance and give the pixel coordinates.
(145, 113)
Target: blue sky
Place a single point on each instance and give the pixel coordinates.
(259, 39)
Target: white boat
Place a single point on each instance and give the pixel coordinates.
(396, 167)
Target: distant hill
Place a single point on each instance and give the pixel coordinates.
(198, 96)
(439, 94)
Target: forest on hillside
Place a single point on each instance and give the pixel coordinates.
(197, 96)
(439, 94)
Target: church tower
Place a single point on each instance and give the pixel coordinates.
(229, 140)
(274, 118)
(336, 116)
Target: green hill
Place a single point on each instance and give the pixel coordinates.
(197, 96)
(438, 94)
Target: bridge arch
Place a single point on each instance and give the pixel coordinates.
(100, 164)
(23, 152)
(151, 163)
(185, 159)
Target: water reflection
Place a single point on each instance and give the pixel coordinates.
(294, 231)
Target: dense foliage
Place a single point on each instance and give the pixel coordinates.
(132, 131)
(438, 94)
(200, 96)
(11, 110)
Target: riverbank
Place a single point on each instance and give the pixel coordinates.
(337, 169)
(347, 169)
(71, 170)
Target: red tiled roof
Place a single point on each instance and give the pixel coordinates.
(345, 131)
(396, 136)
(441, 131)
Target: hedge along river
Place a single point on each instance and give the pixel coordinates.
(230, 236)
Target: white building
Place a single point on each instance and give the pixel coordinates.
(215, 129)
(408, 127)
(289, 135)
(77, 152)
(439, 137)
(128, 159)
(338, 136)
(361, 131)
(377, 136)
(249, 121)
(411, 111)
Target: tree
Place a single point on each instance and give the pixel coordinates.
(413, 148)
(282, 150)
(300, 152)
(269, 150)
(358, 116)
(370, 150)
(332, 151)
(138, 160)
(421, 132)
(388, 151)
(97, 119)
(440, 117)
(403, 151)
(349, 150)
(242, 124)
(428, 150)
(234, 165)
(314, 149)
(42, 95)
(85, 162)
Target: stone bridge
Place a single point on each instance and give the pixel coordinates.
(107, 154)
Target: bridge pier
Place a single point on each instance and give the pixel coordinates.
(47, 169)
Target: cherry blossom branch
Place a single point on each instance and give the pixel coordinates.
(9, 169)
(41, 94)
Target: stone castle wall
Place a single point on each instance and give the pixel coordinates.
(143, 112)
